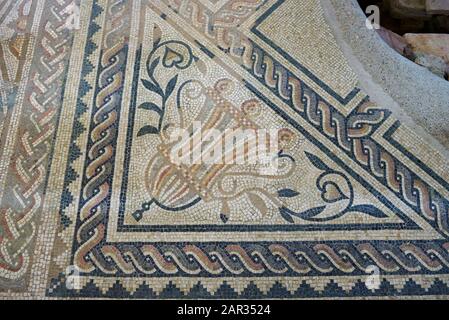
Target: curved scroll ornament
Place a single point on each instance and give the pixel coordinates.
(334, 187)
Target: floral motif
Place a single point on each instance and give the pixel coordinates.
(176, 54)
(334, 187)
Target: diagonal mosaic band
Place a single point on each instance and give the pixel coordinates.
(93, 205)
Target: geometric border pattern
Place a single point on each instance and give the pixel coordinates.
(251, 291)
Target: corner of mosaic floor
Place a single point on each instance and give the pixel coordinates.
(91, 205)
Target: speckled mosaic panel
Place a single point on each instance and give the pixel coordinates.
(92, 205)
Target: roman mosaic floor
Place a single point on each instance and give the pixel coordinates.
(350, 203)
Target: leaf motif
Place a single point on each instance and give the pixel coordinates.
(152, 87)
(331, 192)
(225, 212)
(224, 218)
(259, 203)
(171, 86)
(151, 107)
(286, 215)
(172, 58)
(201, 66)
(369, 210)
(157, 35)
(287, 193)
(317, 162)
(147, 130)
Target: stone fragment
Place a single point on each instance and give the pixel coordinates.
(435, 44)
(394, 40)
(437, 7)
